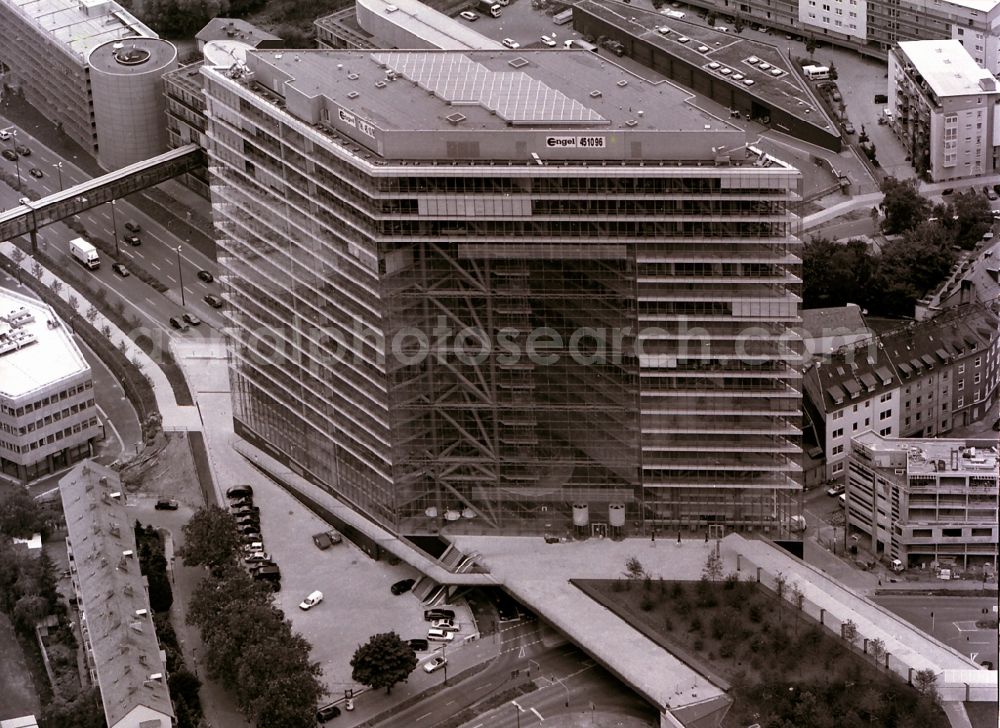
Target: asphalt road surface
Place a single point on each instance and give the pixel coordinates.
(953, 622)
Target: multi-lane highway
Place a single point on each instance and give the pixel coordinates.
(157, 253)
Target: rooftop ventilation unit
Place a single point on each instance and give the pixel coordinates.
(596, 94)
(380, 84)
(353, 95)
(353, 76)
(631, 122)
(455, 119)
(518, 62)
(623, 83)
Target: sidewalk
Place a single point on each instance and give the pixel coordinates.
(861, 202)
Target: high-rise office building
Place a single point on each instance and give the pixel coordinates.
(506, 291)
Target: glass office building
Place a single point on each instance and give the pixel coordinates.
(506, 292)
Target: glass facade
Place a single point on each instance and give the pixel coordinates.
(485, 347)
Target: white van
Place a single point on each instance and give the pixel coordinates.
(816, 73)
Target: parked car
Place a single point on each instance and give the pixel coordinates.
(418, 644)
(9, 154)
(445, 624)
(834, 490)
(249, 548)
(242, 502)
(251, 520)
(311, 601)
(192, 319)
(36, 173)
(431, 614)
(204, 275)
(269, 573)
(250, 529)
(166, 504)
(178, 324)
(120, 269)
(439, 635)
(243, 511)
(133, 240)
(402, 586)
(947, 191)
(258, 565)
(133, 227)
(435, 663)
(510, 43)
(213, 301)
(468, 15)
(239, 491)
(849, 127)
(548, 41)
(256, 556)
(250, 537)
(328, 713)
(327, 539)
(996, 426)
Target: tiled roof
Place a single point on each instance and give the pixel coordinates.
(117, 615)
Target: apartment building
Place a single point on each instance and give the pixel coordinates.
(948, 369)
(922, 379)
(873, 27)
(848, 392)
(521, 300)
(944, 109)
(122, 653)
(974, 278)
(44, 50)
(925, 500)
(48, 417)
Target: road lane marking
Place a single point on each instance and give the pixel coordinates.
(425, 715)
(540, 718)
(155, 266)
(482, 687)
(171, 278)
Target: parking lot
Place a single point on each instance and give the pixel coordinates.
(523, 24)
(357, 602)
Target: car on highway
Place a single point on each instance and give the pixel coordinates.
(402, 586)
(133, 240)
(133, 227)
(431, 614)
(510, 43)
(468, 15)
(311, 601)
(178, 324)
(36, 173)
(213, 301)
(166, 504)
(23, 150)
(192, 319)
(418, 644)
(435, 663)
(439, 635)
(9, 154)
(446, 624)
(239, 491)
(327, 713)
(548, 41)
(204, 275)
(120, 269)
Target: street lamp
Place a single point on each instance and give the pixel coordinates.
(180, 276)
(517, 712)
(13, 145)
(59, 166)
(114, 224)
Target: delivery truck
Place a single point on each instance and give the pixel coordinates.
(85, 253)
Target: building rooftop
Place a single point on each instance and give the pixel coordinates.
(916, 349)
(481, 90)
(130, 671)
(239, 30)
(817, 322)
(849, 375)
(133, 56)
(344, 23)
(931, 455)
(187, 77)
(775, 82)
(415, 18)
(35, 348)
(983, 6)
(79, 26)
(947, 68)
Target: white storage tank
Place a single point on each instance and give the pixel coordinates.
(126, 80)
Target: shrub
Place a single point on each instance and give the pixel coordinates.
(755, 614)
(695, 624)
(726, 649)
(646, 603)
(677, 590)
(699, 644)
(668, 624)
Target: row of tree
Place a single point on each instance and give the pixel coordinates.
(250, 646)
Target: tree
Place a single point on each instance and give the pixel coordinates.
(974, 217)
(811, 45)
(910, 267)
(20, 515)
(849, 631)
(83, 711)
(903, 205)
(713, 566)
(834, 274)
(210, 538)
(798, 598)
(184, 685)
(878, 650)
(28, 610)
(634, 569)
(925, 681)
(384, 661)
(278, 686)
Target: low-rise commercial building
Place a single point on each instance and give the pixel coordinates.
(925, 500)
(943, 109)
(122, 652)
(48, 417)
